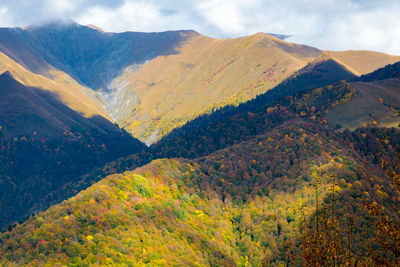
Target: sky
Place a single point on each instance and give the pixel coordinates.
(326, 24)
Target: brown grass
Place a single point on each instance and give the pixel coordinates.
(204, 74)
(362, 61)
(372, 103)
(70, 92)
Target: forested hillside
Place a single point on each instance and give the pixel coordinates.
(45, 145)
(236, 206)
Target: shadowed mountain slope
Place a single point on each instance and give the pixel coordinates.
(94, 57)
(28, 111)
(46, 145)
(389, 71)
(15, 47)
(69, 91)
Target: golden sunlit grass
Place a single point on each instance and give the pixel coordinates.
(70, 92)
(205, 74)
(363, 61)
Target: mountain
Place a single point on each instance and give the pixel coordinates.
(268, 153)
(70, 92)
(240, 205)
(18, 57)
(39, 113)
(389, 71)
(375, 103)
(50, 136)
(231, 125)
(94, 57)
(14, 46)
(362, 61)
(225, 127)
(54, 129)
(206, 74)
(151, 83)
(203, 75)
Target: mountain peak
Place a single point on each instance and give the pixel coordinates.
(95, 28)
(53, 24)
(6, 76)
(274, 36)
(280, 36)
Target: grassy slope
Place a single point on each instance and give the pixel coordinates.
(69, 91)
(208, 73)
(374, 103)
(178, 83)
(205, 74)
(362, 61)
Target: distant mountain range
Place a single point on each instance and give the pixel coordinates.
(245, 144)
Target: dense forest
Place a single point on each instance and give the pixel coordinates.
(240, 205)
(266, 183)
(32, 167)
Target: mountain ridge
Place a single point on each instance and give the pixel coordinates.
(39, 105)
(88, 56)
(70, 92)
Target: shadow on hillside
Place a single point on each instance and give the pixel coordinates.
(45, 145)
(85, 53)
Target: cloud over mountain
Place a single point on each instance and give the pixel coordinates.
(329, 24)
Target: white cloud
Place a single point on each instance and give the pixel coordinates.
(59, 7)
(326, 24)
(373, 30)
(4, 18)
(138, 16)
(224, 15)
(133, 16)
